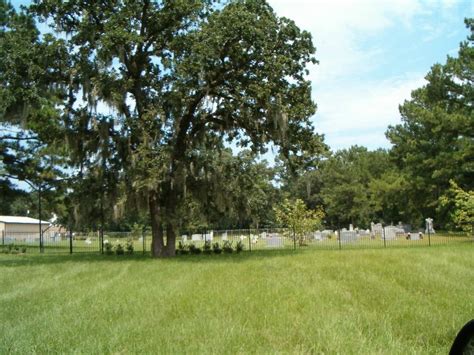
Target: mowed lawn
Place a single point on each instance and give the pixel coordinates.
(401, 300)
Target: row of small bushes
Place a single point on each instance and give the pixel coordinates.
(209, 248)
(118, 248)
(14, 249)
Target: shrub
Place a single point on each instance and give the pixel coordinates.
(119, 250)
(129, 246)
(194, 249)
(182, 249)
(227, 247)
(207, 248)
(108, 248)
(13, 249)
(23, 250)
(216, 248)
(239, 246)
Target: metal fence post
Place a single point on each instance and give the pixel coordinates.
(70, 241)
(250, 242)
(383, 236)
(143, 242)
(429, 236)
(339, 238)
(294, 239)
(3, 237)
(101, 240)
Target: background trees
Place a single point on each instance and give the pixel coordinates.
(434, 143)
(127, 112)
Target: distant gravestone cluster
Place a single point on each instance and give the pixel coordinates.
(350, 235)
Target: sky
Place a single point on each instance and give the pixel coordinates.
(371, 55)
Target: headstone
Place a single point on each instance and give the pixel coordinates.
(274, 240)
(348, 236)
(326, 233)
(351, 227)
(224, 235)
(318, 235)
(184, 238)
(208, 236)
(375, 229)
(196, 237)
(429, 226)
(363, 233)
(390, 233)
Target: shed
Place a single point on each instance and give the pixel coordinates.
(16, 225)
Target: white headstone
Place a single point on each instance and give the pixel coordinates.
(326, 233)
(390, 233)
(348, 236)
(274, 241)
(429, 226)
(318, 235)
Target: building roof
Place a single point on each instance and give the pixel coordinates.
(21, 220)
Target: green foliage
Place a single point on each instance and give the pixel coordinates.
(119, 250)
(296, 216)
(183, 249)
(434, 143)
(14, 249)
(227, 247)
(193, 249)
(109, 249)
(346, 180)
(207, 248)
(180, 79)
(239, 247)
(216, 248)
(129, 246)
(461, 204)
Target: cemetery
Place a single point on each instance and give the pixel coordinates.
(236, 177)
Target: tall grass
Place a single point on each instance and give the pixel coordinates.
(410, 300)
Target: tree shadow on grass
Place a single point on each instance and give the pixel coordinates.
(18, 260)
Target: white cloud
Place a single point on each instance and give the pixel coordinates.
(357, 97)
(360, 114)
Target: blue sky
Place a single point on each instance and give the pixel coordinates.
(372, 55)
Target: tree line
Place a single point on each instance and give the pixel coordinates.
(124, 112)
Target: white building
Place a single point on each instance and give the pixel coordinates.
(14, 227)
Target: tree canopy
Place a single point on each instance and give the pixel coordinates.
(176, 76)
(435, 141)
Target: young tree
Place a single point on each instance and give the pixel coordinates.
(296, 216)
(173, 73)
(461, 205)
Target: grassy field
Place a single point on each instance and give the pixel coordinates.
(399, 300)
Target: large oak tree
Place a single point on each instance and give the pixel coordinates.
(173, 74)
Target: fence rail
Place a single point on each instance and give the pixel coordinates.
(250, 239)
